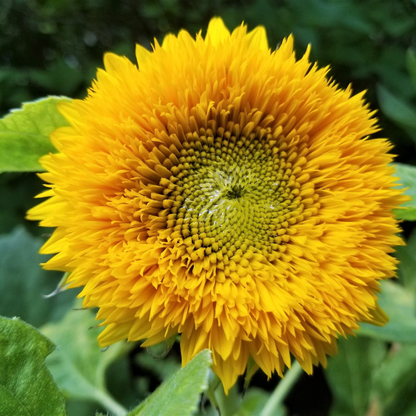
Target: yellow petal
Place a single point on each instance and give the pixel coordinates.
(141, 54)
(258, 38)
(114, 63)
(217, 32)
(379, 317)
(168, 41)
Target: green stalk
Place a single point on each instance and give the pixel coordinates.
(282, 390)
(110, 404)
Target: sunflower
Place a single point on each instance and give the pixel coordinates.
(225, 192)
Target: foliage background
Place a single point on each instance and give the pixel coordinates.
(53, 47)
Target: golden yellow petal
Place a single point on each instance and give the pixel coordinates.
(142, 54)
(217, 32)
(258, 38)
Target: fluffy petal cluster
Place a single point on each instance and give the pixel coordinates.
(225, 192)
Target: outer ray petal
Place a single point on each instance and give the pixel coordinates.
(142, 54)
(258, 38)
(217, 31)
(228, 370)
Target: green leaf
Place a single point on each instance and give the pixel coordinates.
(411, 65)
(397, 110)
(399, 305)
(407, 266)
(255, 401)
(349, 374)
(25, 282)
(213, 383)
(395, 381)
(252, 368)
(79, 365)
(24, 134)
(229, 404)
(162, 369)
(83, 408)
(122, 384)
(26, 386)
(407, 175)
(178, 396)
(162, 349)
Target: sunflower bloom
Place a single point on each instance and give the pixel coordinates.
(224, 192)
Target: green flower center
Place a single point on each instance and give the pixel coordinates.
(230, 193)
(235, 192)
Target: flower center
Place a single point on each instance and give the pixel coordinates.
(229, 193)
(235, 192)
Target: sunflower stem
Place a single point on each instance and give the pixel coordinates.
(213, 384)
(282, 390)
(111, 405)
(228, 405)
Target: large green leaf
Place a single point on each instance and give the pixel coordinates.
(25, 282)
(26, 386)
(24, 134)
(152, 370)
(411, 65)
(398, 111)
(350, 375)
(254, 403)
(228, 404)
(399, 305)
(407, 266)
(178, 396)
(79, 365)
(161, 368)
(395, 381)
(407, 175)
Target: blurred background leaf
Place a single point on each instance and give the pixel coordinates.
(407, 268)
(402, 113)
(255, 401)
(411, 65)
(350, 374)
(399, 305)
(395, 381)
(162, 369)
(79, 364)
(407, 175)
(23, 282)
